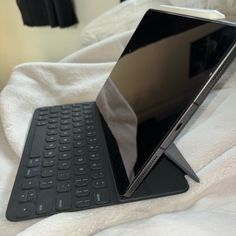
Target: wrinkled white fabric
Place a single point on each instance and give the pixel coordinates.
(208, 144)
(120, 20)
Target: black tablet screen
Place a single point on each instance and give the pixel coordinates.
(165, 64)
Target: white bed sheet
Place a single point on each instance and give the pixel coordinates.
(208, 143)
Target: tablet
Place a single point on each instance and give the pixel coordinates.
(167, 69)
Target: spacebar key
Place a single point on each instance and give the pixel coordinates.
(39, 136)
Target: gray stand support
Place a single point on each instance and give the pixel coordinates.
(175, 155)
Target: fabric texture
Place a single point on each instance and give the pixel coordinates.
(208, 143)
(47, 12)
(120, 20)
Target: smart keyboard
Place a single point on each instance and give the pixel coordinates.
(65, 165)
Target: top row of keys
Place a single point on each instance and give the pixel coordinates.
(65, 109)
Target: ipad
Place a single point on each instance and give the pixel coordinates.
(165, 72)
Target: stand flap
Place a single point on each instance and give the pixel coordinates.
(175, 155)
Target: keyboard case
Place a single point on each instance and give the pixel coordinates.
(50, 196)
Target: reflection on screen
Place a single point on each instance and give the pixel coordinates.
(165, 64)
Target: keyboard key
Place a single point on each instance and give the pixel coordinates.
(43, 207)
(25, 210)
(78, 136)
(49, 146)
(99, 184)
(65, 116)
(78, 152)
(88, 112)
(78, 144)
(33, 162)
(31, 195)
(76, 119)
(96, 165)
(22, 197)
(51, 138)
(89, 122)
(47, 172)
(94, 156)
(65, 133)
(82, 192)
(92, 140)
(65, 147)
(77, 130)
(63, 187)
(101, 196)
(80, 160)
(54, 115)
(46, 183)
(87, 107)
(65, 127)
(81, 170)
(43, 113)
(90, 127)
(55, 109)
(30, 183)
(82, 203)
(52, 132)
(76, 114)
(88, 117)
(26, 196)
(76, 105)
(48, 162)
(63, 165)
(66, 107)
(65, 112)
(53, 120)
(97, 174)
(80, 182)
(52, 126)
(65, 122)
(63, 201)
(63, 175)
(77, 124)
(91, 133)
(42, 118)
(41, 123)
(77, 111)
(50, 153)
(65, 140)
(32, 172)
(64, 156)
(93, 148)
(45, 202)
(78, 108)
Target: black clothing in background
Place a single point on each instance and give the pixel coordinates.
(47, 12)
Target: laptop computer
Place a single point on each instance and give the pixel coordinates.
(120, 148)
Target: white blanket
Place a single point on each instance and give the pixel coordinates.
(208, 143)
